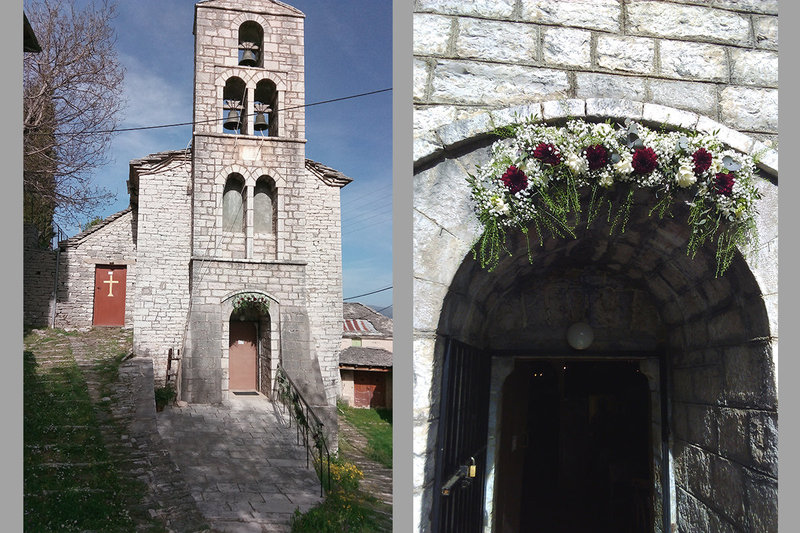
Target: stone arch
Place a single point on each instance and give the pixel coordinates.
(712, 332)
(268, 352)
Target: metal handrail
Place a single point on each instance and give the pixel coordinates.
(308, 424)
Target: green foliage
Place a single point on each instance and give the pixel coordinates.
(376, 426)
(71, 482)
(164, 396)
(345, 508)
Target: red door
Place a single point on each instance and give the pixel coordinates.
(242, 362)
(370, 389)
(109, 295)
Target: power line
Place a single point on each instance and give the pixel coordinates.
(368, 293)
(140, 128)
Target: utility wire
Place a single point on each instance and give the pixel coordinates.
(368, 293)
(140, 128)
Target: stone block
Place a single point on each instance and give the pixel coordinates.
(659, 114)
(462, 130)
(727, 489)
(698, 472)
(486, 84)
(595, 85)
(431, 34)
(749, 377)
(516, 114)
(566, 46)
(428, 298)
(766, 32)
(749, 109)
(761, 493)
(763, 441)
(567, 108)
(749, 6)
(421, 69)
(442, 194)
(701, 426)
(425, 148)
(754, 67)
(438, 253)
(593, 14)
(504, 42)
(612, 107)
(499, 9)
(693, 61)
(630, 54)
(733, 434)
(661, 19)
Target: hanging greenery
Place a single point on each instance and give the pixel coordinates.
(251, 301)
(537, 172)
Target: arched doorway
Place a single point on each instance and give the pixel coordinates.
(706, 346)
(250, 365)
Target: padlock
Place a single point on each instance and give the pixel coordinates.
(472, 471)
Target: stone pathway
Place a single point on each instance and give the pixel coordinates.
(243, 464)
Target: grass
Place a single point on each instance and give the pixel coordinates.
(376, 426)
(72, 482)
(345, 507)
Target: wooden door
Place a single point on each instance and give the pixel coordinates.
(243, 361)
(109, 295)
(370, 389)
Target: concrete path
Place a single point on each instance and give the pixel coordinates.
(241, 462)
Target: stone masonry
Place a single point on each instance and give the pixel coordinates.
(709, 66)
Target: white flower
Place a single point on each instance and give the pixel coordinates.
(606, 180)
(577, 163)
(498, 205)
(603, 129)
(625, 164)
(685, 176)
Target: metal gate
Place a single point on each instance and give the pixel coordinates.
(461, 446)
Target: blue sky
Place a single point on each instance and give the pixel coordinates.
(348, 51)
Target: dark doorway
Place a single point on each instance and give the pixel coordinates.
(576, 447)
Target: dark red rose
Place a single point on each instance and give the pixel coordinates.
(547, 153)
(514, 179)
(702, 161)
(644, 161)
(723, 183)
(597, 156)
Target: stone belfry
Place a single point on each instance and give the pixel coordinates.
(265, 221)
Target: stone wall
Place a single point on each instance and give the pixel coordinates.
(325, 279)
(162, 289)
(38, 280)
(718, 59)
(111, 242)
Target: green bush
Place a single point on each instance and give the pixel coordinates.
(164, 396)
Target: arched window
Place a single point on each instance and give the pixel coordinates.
(264, 208)
(233, 204)
(266, 106)
(234, 106)
(251, 44)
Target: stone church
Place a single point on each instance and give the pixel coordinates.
(667, 420)
(241, 213)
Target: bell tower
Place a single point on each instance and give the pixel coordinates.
(254, 207)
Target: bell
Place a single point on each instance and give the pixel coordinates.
(233, 121)
(249, 58)
(260, 124)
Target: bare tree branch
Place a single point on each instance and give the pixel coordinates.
(72, 92)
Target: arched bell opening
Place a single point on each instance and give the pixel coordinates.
(702, 343)
(234, 204)
(234, 114)
(266, 108)
(251, 44)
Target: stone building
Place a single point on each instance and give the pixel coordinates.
(365, 362)
(241, 214)
(689, 358)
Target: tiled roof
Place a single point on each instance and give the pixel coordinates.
(360, 320)
(358, 356)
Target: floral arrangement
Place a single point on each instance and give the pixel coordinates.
(249, 300)
(536, 171)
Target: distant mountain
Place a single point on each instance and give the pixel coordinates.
(385, 311)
